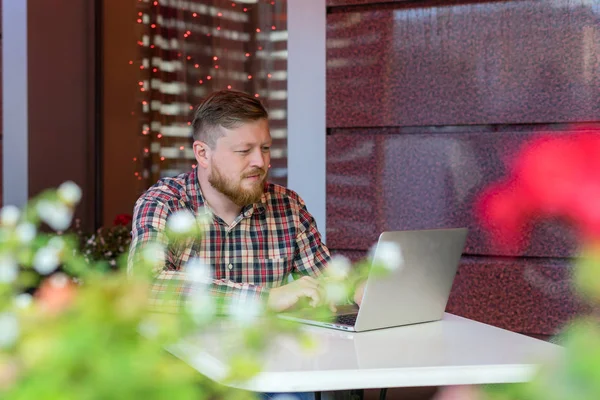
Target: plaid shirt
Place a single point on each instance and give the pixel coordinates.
(266, 243)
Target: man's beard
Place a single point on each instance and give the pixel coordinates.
(234, 190)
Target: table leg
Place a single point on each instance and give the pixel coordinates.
(382, 394)
(317, 395)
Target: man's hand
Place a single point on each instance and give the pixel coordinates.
(359, 293)
(285, 297)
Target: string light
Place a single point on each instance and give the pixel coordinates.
(149, 18)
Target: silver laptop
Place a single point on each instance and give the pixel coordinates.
(415, 292)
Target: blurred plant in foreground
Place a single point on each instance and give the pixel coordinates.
(88, 332)
(108, 245)
(555, 177)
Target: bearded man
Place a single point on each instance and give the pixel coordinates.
(259, 233)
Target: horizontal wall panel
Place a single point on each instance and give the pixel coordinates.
(522, 295)
(508, 62)
(338, 3)
(391, 181)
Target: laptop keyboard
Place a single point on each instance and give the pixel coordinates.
(348, 319)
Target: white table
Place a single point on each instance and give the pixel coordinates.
(453, 351)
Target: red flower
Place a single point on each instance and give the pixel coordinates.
(505, 213)
(553, 176)
(123, 219)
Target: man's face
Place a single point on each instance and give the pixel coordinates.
(240, 160)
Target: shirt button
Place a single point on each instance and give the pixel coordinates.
(230, 266)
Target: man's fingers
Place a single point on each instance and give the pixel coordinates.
(313, 294)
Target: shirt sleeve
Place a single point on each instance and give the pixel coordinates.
(170, 289)
(311, 256)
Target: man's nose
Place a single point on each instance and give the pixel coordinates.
(258, 159)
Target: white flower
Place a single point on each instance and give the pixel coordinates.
(9, 215)
(154, 253)
(59, 280)
(245, 311)
(388, 255)
(26, 232)
(46, 260)
(181, 222)
(339, 267)
(57, 215)
(23, 300)
(69, 192)
(197, 271)
(9, 270)
(335, 292)
(204, 217)
(9, 329)
(57, 243)
(148, 329)
(201, 306)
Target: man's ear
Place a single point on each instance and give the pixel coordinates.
(201, 152)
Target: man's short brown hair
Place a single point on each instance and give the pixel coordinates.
(228, 109)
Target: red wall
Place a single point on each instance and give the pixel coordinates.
(426, 103)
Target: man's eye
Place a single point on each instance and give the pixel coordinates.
(243, 151)
(266, 148)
